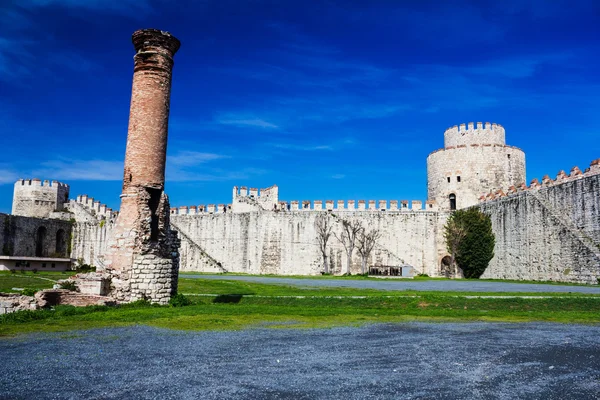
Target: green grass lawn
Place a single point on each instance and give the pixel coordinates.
(41, 280)
(241, 305)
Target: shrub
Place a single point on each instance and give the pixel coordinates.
(29, 292)
(69, 285)
(179, 300)
(475, 245)
(35, 270)
(13, 271)
(85, 268)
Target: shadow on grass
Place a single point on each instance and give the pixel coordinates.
(228, 298)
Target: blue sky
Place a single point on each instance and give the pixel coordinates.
(328, 100)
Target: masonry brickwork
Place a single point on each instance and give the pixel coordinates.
(548, 230)
(142, 256)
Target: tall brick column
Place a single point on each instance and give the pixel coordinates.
(142, 259)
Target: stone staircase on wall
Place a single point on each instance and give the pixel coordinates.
(252, 202)
(566, 223)
(205, 256)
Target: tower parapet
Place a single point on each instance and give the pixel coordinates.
(254, 200)
(474, 133)
(37, 198)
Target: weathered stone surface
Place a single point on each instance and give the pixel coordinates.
(95, 283)
(15, 302)
(34, 198)
(285, 242)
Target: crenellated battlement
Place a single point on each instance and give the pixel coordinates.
(247, 200)
(474, 133)
(40, 183)
(94, 207)
(319, 205)
(535, 184)
(202, 209)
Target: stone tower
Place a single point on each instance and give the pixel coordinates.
(475, 160)
(34, 198)
(142, 258)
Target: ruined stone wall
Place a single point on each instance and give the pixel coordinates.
(15, 302)
(19, 236)
(475, 160)
(548, 232)
(34, 198)
(285, 243)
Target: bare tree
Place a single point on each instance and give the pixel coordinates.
(454, 233)
(324, 227)
(365, 243)
(350, 230)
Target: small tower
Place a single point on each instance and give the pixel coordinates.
(34, 198)
(475, 160)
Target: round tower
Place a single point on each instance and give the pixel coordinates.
(475, 160)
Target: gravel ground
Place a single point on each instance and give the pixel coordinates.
(392, 361)
(407, 284)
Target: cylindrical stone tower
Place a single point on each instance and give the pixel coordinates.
(475, 160)
(143, 258)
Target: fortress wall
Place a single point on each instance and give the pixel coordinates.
(90, 240)
(285, 242)
(550, 233)
(481, 168)
(18, 235)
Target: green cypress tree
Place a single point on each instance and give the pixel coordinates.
(475, 248)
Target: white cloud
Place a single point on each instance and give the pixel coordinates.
(246, 122)
(211, 175)
(192, 158)
(8, 176)
(289, 146)
(80, 170)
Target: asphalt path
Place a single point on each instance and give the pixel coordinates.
(409, 284)
(385, 361)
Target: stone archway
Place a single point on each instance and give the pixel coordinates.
(446, 266)
(61, 243)
(40, 241)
